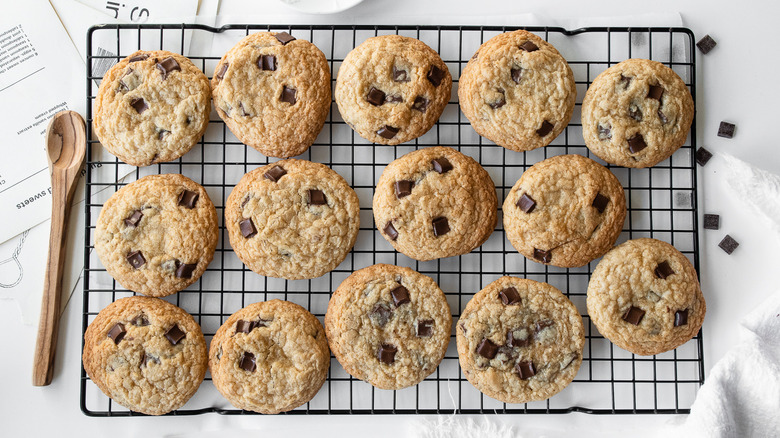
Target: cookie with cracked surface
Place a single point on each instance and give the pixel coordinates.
(273, 92)
(269, 357)
(292, 219)
(157, 235)
(435, 202)
(388, 325)
(520, 340)
(644, 296)
(152, 107)
(565, 211)
(636, 113)
(391, 89)
(517, 91)
(146, 354)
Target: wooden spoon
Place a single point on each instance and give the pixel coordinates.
(66, 143)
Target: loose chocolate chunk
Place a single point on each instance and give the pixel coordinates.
(267, 62)
(141, 320)
(635, 113)
(390, 231)
(542, 255)
(526, 203)
(117, 333)
(605, 132)
(387, 132)
(375, 97)
(543, 324)
(681, 317)
(288, 95)
(247, 228)
(663, 117)
(435, 75)
(517, 72)
(600, 202)
(247, 362)
(440, 226)
(525, 369)
(386, 353)
(136, 259)
(424, 328)
(655, 92)
(139, 105)
(711, 221)
(316, 197)
(400, 296)
(185, 270)
(726, 130)
(143, 57)
(702, 156)
(380, 314)
(284, 37)
(134, 219)
(175, 334)
(528, 46)
(188, 199)
(275, 173)
(400, 75)
(663, 270)
(634, 315)
(728, 244)
(509, 296)
(441, 165)
(223, 70)
(168, 65)
(625, 81)
(162, 134)
(512, 341)
(420, 104)
(394, 99)
(636, 143)
(706, 44)
(487, 348)
(499, 103)
(545, 129)
(403, 188)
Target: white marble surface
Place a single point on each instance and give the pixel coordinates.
(734, 83)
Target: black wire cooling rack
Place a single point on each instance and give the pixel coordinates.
(661, 204)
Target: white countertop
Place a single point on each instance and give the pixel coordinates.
(735, 83)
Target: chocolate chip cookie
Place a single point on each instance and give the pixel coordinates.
(273, 92)
(146, 354)
(157, 235)
(644, 296)
(391, 89)
(269, 357)
(388, 325)
(435, 202)
(565, 211)
(520, 340)
(636, 113)
(292, 219)
(517, 91)
(152, 107)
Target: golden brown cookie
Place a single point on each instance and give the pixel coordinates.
(636, 113)
(391, 89)
(435, 202)
(565, 211)
(517, 91)
(644, 296)
(152, 107)
(269, 357)
(273, 92)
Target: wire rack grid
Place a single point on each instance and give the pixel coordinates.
(661, 204)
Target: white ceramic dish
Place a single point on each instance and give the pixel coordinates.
(321, 6)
